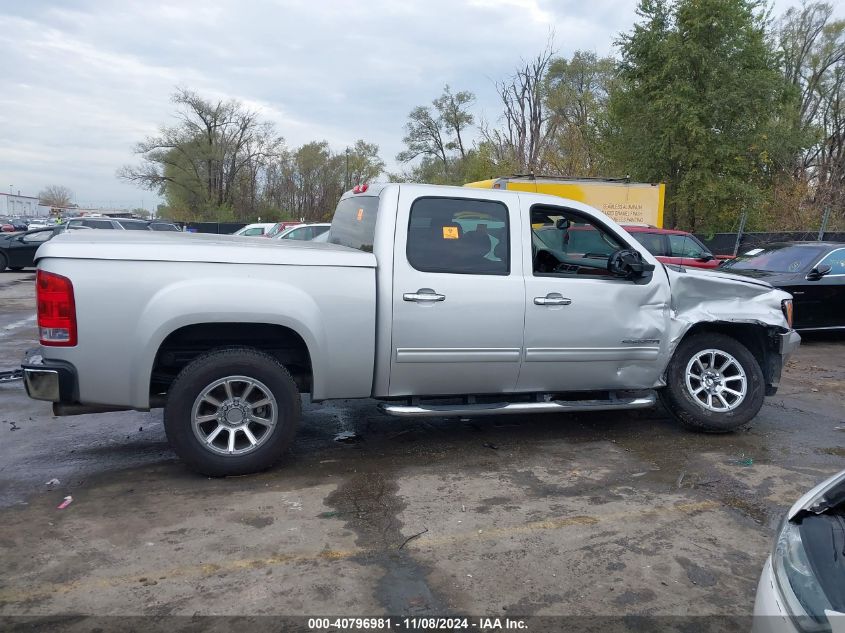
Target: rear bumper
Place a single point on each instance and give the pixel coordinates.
(50, 380)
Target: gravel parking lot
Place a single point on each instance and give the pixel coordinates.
(600, 514)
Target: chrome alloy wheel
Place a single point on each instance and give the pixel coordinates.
(234, 415)
(716, 380)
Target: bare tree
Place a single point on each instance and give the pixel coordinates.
(56, 196)
(812, 48)
(528, 123)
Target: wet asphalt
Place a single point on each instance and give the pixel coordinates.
(583, 514)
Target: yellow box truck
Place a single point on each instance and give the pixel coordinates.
(625, 201)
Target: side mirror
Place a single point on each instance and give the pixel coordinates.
(562, 224)
(818, 272)
(628, 263)
(704, 257)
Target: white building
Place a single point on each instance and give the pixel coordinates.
(22, 206)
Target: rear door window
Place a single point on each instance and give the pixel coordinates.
(301, 234)
(97, 224)
(161, 226)
(653, 242)
(133, 226)
(686, 246)
(460, 236)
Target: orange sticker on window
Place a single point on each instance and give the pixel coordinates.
(360, 214)
(450, 233)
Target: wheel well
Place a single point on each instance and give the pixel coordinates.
(759, 339)
(185, 344)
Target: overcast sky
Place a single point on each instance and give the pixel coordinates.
(84, 80)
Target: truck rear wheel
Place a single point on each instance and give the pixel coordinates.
(232, 411)
(713, 384)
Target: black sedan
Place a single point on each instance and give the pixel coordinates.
(17, 250)
(812, 272)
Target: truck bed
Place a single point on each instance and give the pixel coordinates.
(200, 247)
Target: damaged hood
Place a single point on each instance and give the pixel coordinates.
(773, 278)
(820, 499)
(819, 519)
(700, 295)
(717, 274)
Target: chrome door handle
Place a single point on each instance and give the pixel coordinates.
(552, 299)
(423, 295)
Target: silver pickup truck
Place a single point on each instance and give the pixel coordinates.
(438, 301)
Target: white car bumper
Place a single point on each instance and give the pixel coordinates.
(770, 615)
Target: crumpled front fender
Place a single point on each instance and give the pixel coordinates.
(701, 296)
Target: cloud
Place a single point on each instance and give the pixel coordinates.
(85, 80)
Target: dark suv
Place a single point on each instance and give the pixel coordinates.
(122, 224)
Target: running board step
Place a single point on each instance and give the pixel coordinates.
(498, 408)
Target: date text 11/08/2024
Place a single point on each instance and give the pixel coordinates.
(412, 624)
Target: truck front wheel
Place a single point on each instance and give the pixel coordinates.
(713, 384)
(232, 411)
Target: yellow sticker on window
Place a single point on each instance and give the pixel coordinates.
(360, 214)
(450, 233)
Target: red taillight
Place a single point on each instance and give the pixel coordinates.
(360, 188)
(56, 310)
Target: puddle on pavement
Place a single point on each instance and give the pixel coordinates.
(369, 505)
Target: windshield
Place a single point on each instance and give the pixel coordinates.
(776, 258)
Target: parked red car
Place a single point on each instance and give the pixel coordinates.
(674, 247)
(279, 227)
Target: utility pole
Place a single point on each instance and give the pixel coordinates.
(346, 180)
(743, 218)
(825, 219)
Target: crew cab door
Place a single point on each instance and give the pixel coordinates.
(458, 296)
(586, 329)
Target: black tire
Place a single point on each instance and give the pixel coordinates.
(3, 262)
(692, 413)
(216, 365)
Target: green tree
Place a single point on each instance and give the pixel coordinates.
(200, 164)
(455, 117)
(433, 133)
(424, 138)
(699, 104)
(363, 163)
(577, 94)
